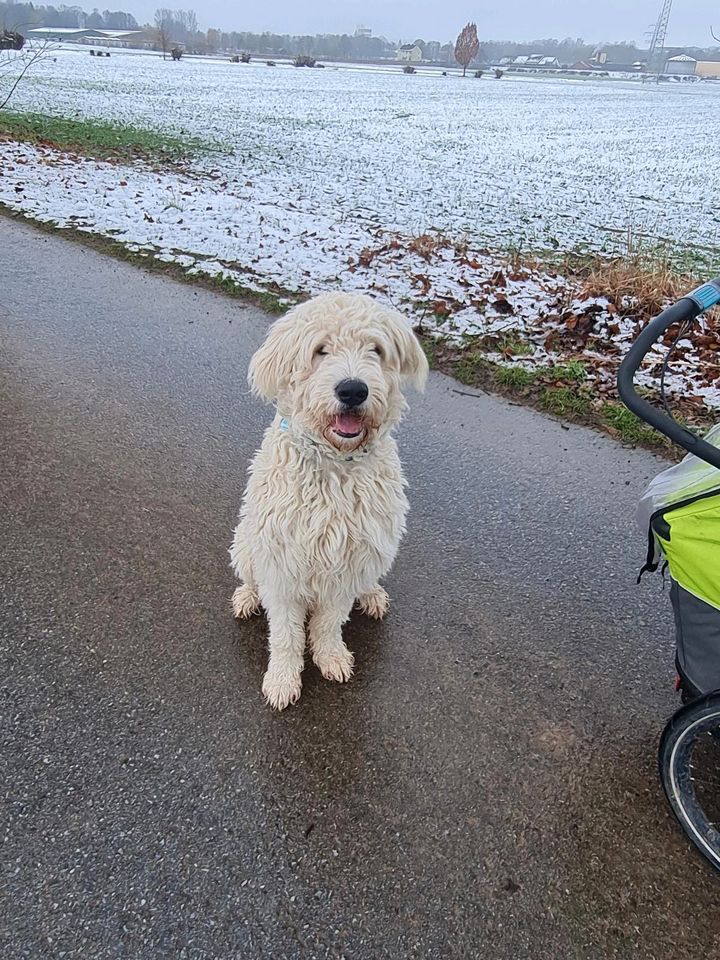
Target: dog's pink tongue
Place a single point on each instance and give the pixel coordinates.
(347, 423)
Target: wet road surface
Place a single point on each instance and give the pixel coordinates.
(485, 786)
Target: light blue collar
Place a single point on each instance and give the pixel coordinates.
(284, 425)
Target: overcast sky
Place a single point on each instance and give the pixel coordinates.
(599, 20)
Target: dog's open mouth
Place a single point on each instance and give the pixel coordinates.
(349, 426)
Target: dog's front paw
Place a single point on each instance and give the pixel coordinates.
(375, 603)
(335, 662)
(245, 602)
(281, 688)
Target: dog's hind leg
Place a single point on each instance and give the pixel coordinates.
(375, 603)
(329, 652)
(246, 599)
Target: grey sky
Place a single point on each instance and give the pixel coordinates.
(441, 19)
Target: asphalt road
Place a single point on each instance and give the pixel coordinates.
(485, 787)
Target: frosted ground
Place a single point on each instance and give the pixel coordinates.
(512, 162)
(314, 178)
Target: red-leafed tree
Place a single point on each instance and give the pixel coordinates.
(467, 46)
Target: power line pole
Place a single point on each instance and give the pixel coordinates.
(657, 44)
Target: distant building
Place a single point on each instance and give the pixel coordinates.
(682, 66)
(599, 63)
(536, 61)
(707, 68)
(361, 31)
(98, 38)
(637, 67)
(120, 38)
(410, 52)
(73, 34)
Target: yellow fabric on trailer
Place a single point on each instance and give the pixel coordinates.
(693, 548)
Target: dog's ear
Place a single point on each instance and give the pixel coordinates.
(413, 362)
(270, 369)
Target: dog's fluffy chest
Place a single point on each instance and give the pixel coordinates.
(321, 516)
(350, 504)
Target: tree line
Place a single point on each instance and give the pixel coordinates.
(25, 16)
(173, 26)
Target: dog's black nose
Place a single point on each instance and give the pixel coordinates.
(352, 393)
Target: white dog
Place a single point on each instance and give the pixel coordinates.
(325, 506)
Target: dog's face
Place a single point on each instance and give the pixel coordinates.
(336, 366)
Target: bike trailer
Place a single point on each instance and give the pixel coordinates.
(680, 512)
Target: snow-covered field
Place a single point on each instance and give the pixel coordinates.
(517, 162)
(319, 178)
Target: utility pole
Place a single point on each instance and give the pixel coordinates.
(657, 44)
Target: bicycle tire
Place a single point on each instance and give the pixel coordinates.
(682, 735)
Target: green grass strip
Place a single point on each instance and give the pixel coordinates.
(96, 138)
(629, 428)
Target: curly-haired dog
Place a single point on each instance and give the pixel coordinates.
(324, 509)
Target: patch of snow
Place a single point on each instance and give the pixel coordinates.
(356, 180)
(528, 163)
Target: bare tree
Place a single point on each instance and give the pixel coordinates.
(187, 21)
(16, 62)
(175, 26)
(467, 46)
(163, 22)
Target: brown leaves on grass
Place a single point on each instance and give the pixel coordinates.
(427, 245)
(638, 286)
(473, 264)
(576, 325)
(591, 313)
(441, 309)
(501, 304)
(368, 254)
(423, 282)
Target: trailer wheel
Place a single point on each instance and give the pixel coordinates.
(689, 766)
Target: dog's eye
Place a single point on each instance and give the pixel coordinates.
(320, 351)
(378, 350)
